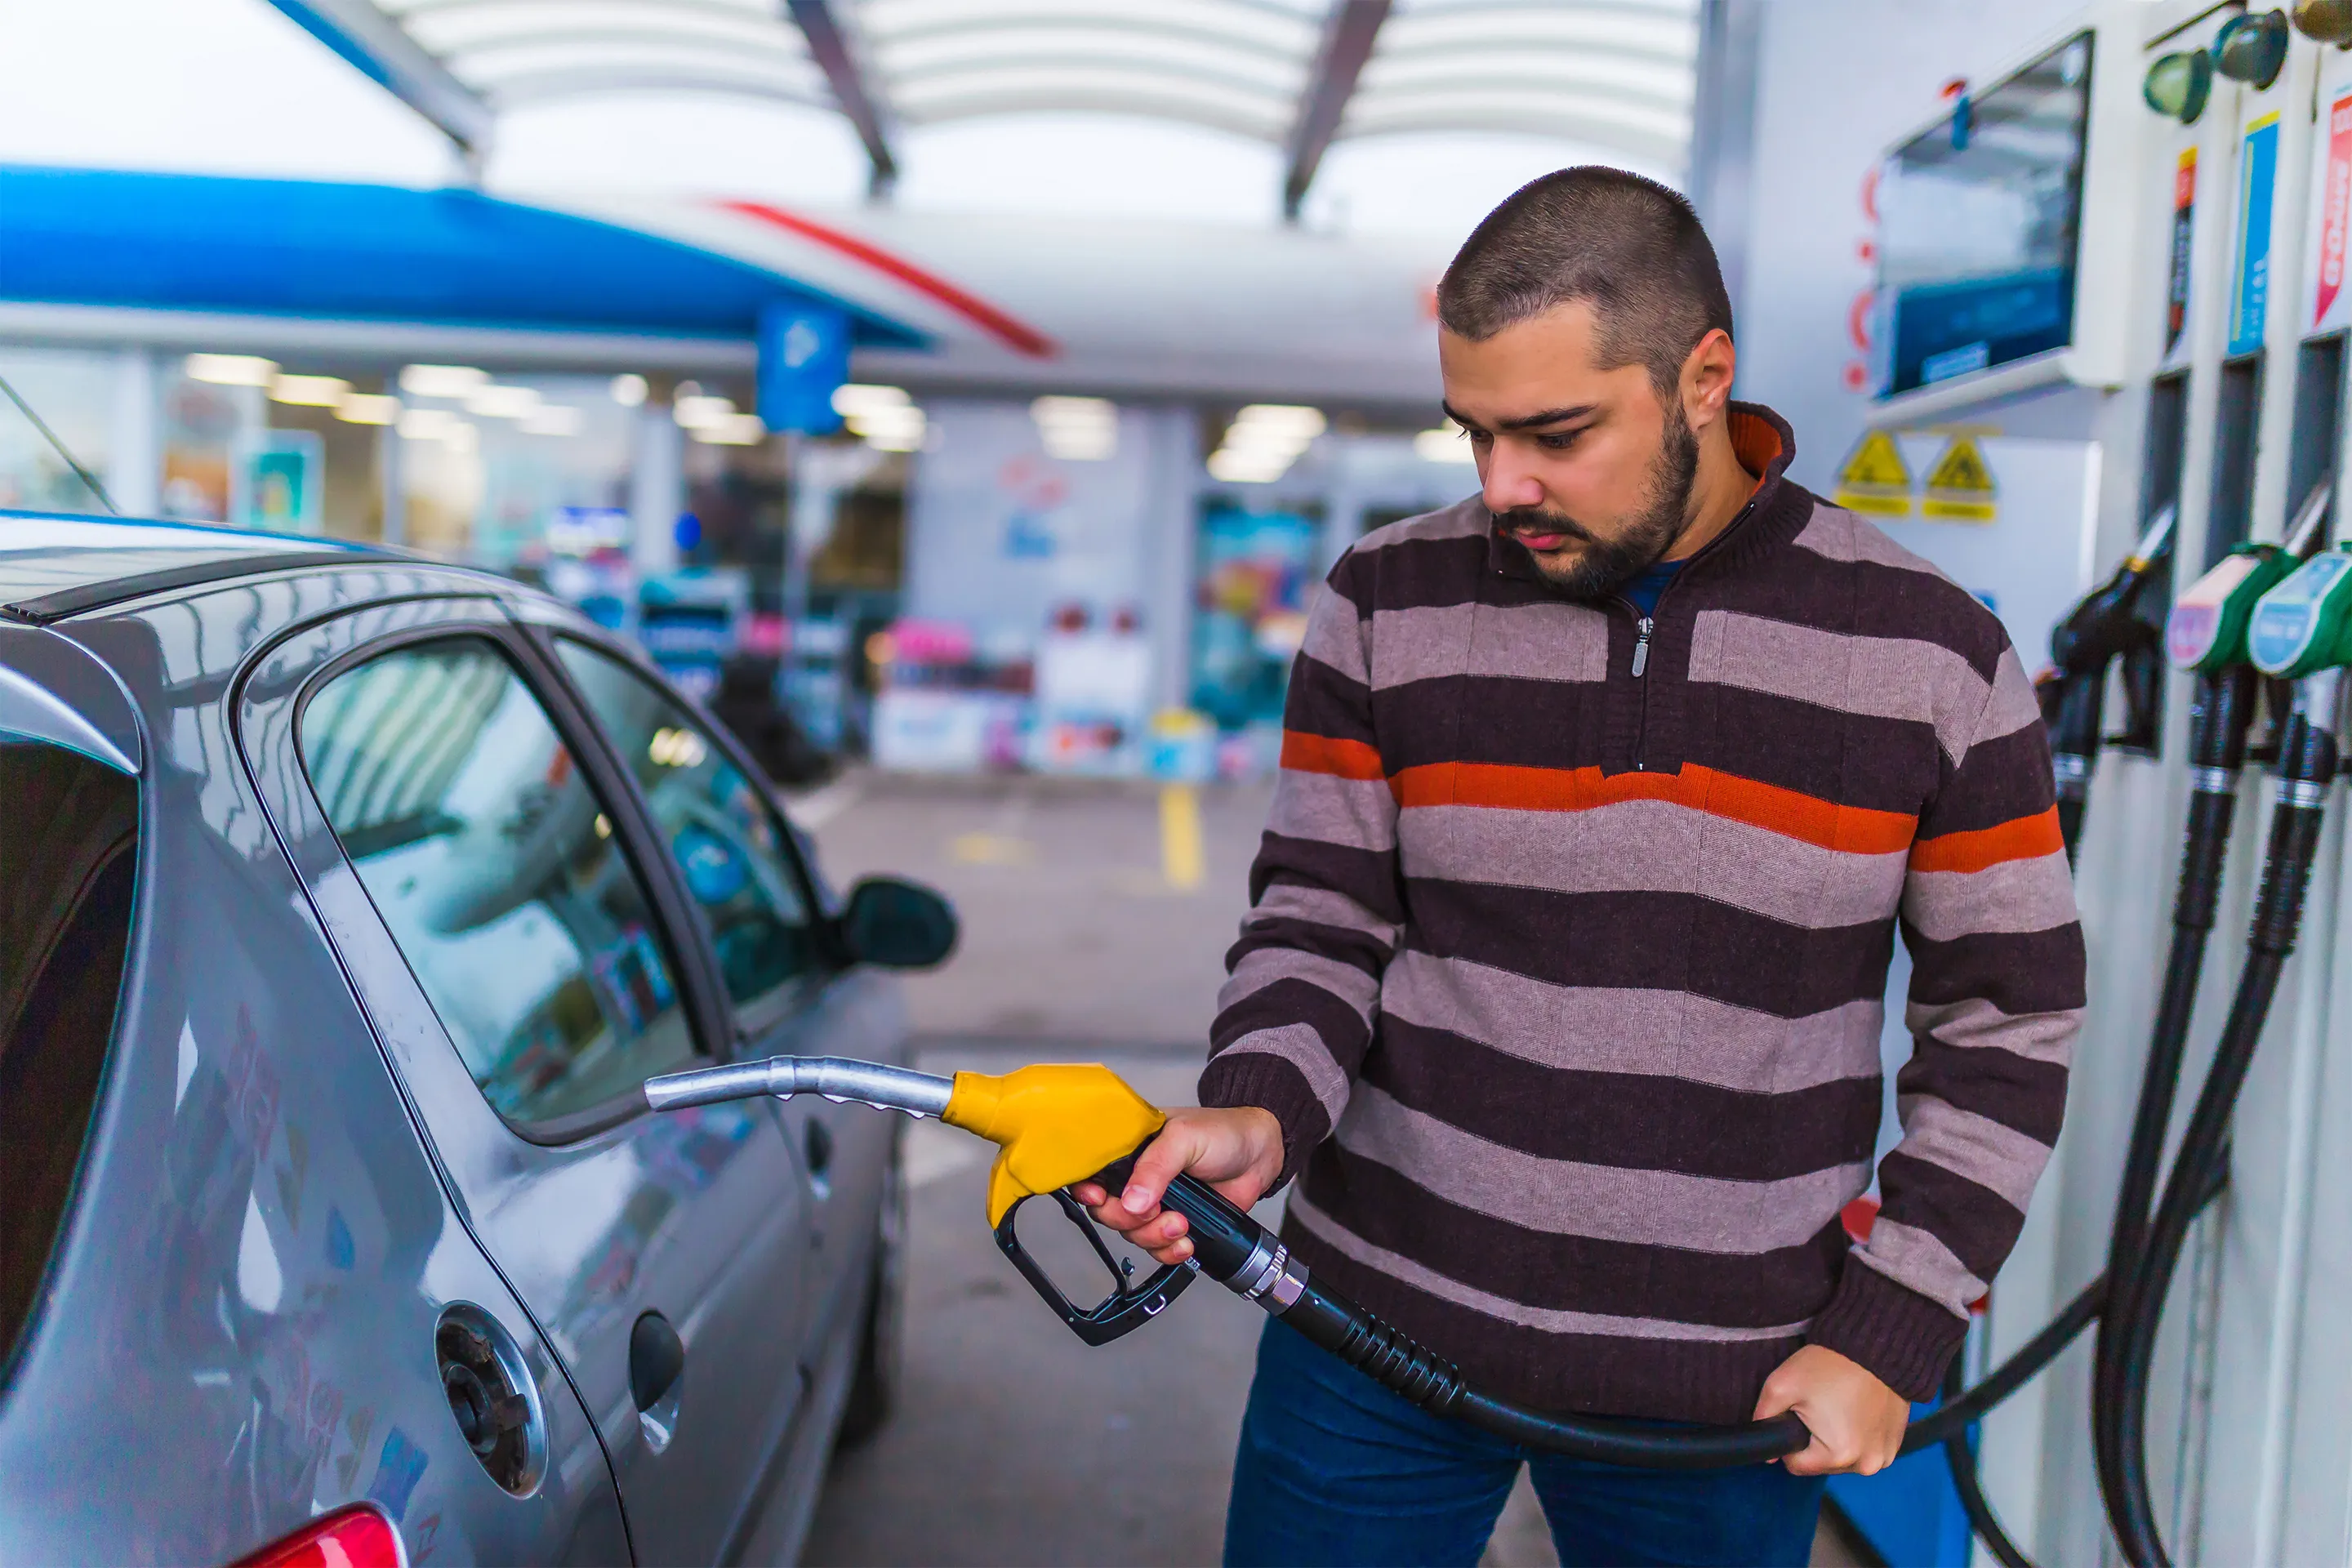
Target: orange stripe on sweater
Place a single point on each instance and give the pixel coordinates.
(2019, 838)
(1855, 831)
(1306, 753)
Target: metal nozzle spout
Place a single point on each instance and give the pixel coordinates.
(837, 1078)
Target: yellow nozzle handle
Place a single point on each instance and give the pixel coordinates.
(1052, 1124)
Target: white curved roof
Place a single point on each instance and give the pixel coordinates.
(1616, 74)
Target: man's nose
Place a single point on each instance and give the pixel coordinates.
(1508, 481)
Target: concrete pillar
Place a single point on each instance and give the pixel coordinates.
(134, 445)
(656, 488)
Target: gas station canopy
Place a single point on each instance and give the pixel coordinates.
(1299, 74)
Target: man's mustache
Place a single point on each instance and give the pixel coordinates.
(1535, 519)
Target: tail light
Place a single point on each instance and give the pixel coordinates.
(355, 1537)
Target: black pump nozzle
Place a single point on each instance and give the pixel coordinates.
(2107, 624)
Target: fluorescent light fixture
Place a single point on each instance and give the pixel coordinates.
(1246, 467)
(230, 370)
(628, 389)
(730, 430)
(428, 424)
(497, 401)
(552, 419)
(1262, 441)
(852, 400)
(442, 379)
(891, 429)
(309, 391)
(701, 411)
(1302, 425)
(1446, 443)
(1078, 429)
(367, 408)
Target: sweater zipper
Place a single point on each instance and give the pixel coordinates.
(1642, 625)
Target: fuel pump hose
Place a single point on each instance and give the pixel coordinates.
(2307, 764)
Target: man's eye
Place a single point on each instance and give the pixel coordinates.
(1558, 441)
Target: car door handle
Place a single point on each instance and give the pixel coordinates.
(657, 1357)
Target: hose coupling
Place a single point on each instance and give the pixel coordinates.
(2305, 794)
(2214, 780)
(1270, 1276)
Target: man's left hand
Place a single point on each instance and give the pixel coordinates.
(1857, 1422)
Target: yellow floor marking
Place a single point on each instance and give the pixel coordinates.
(1180, 836)
(991, 849)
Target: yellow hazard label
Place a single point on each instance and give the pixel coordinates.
(1960, 486)
(1874, 478)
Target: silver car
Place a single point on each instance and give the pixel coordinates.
(345, 901)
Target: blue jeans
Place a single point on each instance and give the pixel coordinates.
(1334, 1469)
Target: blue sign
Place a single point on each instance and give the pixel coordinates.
(803, 358)
(2257, 185)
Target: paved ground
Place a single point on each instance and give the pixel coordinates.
(1014, 1443)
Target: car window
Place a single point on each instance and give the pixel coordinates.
(496, 869)
(728, 845)
(69, 838)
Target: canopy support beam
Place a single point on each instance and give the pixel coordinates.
(828, 46)
(1348, 33)
(380, 49)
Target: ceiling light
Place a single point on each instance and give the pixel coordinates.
(1304, 423)
(628, 389)
(498, 402)
(1077, 429)
(1446, 443)
(309, 391)
(427, 424)
(552, 419)
(900, 428)
(2251, 49)
(1246, 468)
(851, 400)
(367, 408)
(731, 430)
(231, 369)
(2178, 85)
(696, 411)
(442, 379)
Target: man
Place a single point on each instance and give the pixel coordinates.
(1602, 795)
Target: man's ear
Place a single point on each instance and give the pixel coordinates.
(1707, 372)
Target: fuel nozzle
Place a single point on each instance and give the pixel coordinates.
(2106, 625)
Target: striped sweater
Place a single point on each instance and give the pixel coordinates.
(1565, 968)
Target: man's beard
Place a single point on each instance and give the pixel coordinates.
(1604, 566)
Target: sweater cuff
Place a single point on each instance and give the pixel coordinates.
(1902, 1337)
(1271, 1083)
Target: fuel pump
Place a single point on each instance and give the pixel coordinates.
(2298, 631)
(2106, 625)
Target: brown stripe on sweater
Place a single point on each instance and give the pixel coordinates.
(2011, 1088)
(1569, 1197)
(1662, 941)
(1650, 845)
(1367, 876)
(1259, 966)
(1550, 1320)
(1997, 1158)
(2018, 972)
(1633, 1120)
(2004, 779)
(1572, 1273)
(1976, 1223)
(1621, 1030)
(1303, 1049)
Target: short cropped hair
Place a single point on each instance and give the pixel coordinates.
(1630, 247)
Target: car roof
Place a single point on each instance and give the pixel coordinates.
(53, 566)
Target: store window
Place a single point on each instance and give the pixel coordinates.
(729, 847)
(499, 873)
(72, 392)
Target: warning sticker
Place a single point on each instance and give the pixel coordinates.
(1960, 487)
(1874, 479)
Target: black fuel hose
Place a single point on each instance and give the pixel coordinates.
(1961, 1459)
(2307, 763)
(2222, 715)
(1241, 1255)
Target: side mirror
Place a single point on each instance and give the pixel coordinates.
(896, 924)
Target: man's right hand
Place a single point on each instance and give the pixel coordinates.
(1238, 1151)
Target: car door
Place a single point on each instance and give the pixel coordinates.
(788, 991)
(513, 920)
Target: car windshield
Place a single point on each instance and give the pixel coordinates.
(69, 838)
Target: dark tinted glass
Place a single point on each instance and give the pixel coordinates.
(68, 841)
(496, 868)
(727, 842)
